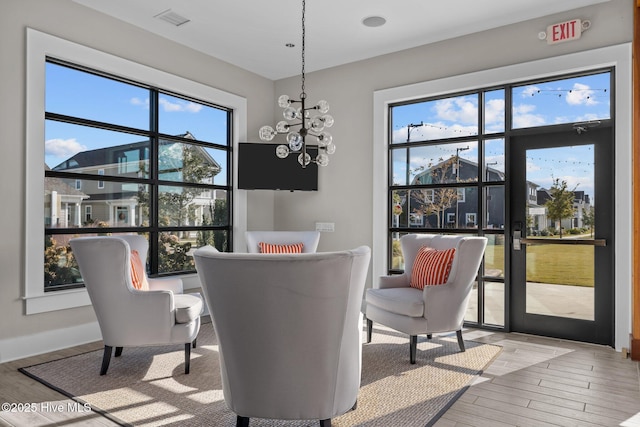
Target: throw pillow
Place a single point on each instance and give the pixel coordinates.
(270, 248)
(431, 267)
(138, 277)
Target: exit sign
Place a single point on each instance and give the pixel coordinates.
(564, 31)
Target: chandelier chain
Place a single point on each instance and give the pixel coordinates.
(303, 94)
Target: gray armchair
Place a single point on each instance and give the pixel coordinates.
(129, 317)
(289, 330)
(394, 303)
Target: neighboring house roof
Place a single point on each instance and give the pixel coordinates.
(425, 177)
(104, 156)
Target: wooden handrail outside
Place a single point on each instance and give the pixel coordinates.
(635, 307)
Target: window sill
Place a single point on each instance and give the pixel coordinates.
(58, 300)
(72, 298)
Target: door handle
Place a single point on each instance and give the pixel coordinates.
(517, 236)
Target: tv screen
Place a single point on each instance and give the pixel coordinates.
(260, 169)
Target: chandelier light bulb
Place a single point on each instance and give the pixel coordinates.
(322, 159)
(330, 148)
(328, 120)
(282, 127)
(317, 124)
(295, 141)
(266, 133)
(322, 106)
(290, 113)
(304, 159)
(284, 101)
(324, 138)
(282, 151)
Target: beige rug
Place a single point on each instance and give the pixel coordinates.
(148, 387)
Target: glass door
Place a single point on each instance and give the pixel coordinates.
(561, 252)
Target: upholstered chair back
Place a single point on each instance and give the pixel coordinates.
(309, 239)
(289, 330)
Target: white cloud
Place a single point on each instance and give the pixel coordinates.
(63, 147)
(494, 113)
(523, 116)
(189, 107)
(457, 110)
(140, 102)
(581, 94)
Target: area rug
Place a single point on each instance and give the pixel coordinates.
(147, 386)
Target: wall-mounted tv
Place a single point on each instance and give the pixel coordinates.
(260, 169)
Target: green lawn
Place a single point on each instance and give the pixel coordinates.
(558, 264)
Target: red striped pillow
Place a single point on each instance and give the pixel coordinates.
(138, 277)
(269, 248)
(431, 267)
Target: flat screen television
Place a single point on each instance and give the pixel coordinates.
(260, 169)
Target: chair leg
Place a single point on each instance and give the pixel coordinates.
(118, 351)
(460, 340)
(325, 423)
(187, 357)
(106, 358)
(355, 406)
(369, 329)
(413, 344)
(242, 421)
(429, 336)
(194, 343)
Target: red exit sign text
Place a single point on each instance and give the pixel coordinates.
(564, 31)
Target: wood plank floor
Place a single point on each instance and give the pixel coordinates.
(535, 381)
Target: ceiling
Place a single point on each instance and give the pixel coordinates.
(253, 34)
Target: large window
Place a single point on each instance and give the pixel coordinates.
(143, 161)
(447, 159)
(123, 148)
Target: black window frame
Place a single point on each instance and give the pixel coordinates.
(153, 229)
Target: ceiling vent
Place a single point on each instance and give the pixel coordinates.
(172, 18)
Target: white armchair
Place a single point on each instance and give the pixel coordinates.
(129, 317)
(394, 303)
(289, 330)
(309, 239)
(140, 243)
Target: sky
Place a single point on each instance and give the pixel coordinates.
(80, 94)
(74, 93)
(571, 100)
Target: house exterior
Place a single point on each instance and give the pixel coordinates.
(455, 207)
(122, 204)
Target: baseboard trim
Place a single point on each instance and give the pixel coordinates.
(44, 342)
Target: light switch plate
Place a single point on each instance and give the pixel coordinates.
(325, 227)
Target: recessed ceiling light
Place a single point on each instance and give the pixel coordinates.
(374, 21)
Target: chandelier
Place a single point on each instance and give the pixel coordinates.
(301, 123)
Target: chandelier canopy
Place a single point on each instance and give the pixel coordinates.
(302, 122)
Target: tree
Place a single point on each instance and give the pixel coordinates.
(589, 218)
(190, 164)
(436, 200)
(560, 206)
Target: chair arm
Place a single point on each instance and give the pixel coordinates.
(393, 281)
(166, 284)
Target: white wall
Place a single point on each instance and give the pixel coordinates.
(346, 188)
(20, 334)
(348, 184)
